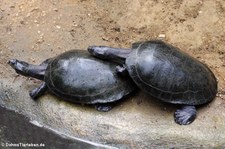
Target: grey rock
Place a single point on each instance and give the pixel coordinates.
(138, 122)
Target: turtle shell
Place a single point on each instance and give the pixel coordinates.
(169, 74)
(78, 77)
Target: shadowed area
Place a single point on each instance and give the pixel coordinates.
(23, 132)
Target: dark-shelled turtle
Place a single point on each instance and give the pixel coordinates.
(165, 72)
(78, 77)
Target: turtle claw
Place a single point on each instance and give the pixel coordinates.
(186, 115)
(103, 107)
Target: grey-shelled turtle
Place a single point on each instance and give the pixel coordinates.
(78, 77)
(166, 73)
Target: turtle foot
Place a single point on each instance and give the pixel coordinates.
(103, 107)
(186, 115)
(33, 94)
(37, 92)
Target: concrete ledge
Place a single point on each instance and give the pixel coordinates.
(138, 122)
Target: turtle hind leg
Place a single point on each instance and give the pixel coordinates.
(37, 92)
(186, 115)
(104, 107)
(25, 69)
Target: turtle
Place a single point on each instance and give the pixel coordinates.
(166, 73)
(78, 77)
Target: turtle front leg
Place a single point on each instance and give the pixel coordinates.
(186, 115)
(39, 91)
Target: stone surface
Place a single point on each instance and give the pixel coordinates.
(131, 124)
(36, 30)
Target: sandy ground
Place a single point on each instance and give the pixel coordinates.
(36, 30)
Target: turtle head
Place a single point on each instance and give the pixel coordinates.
(99, 51)
(12, 63)
(115, 54)
(19, 66)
